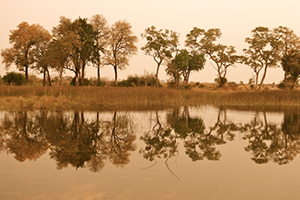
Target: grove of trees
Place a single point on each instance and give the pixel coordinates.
(74, 45)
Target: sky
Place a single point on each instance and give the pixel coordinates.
(235, 19)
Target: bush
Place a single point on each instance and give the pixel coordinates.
(138, 81)
(13, 78)
(286, 85)
(85, 82)
(232, 85)
(221, 81)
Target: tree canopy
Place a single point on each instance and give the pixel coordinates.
(78, 44)
(121, 45)
(160, 45)
(27, 43)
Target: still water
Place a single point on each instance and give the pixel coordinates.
(182, 153)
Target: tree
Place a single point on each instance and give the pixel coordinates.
(121, 45)
(66, 39)
(77, 41)
(100, 26)
(86, 49)
(57, 57)
(42, 62)
(203, 42)
(160, 45)
(263, 52)
(25, 42)
(291, 66)
(186, 62)
(290, 44)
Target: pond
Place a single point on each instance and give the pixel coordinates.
(181, 153)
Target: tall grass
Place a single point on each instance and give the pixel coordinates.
(26, 97)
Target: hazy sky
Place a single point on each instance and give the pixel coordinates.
(235, 18)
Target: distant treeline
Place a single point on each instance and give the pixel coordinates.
(77, 44)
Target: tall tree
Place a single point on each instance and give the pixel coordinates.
(66, 38)
(86, 49)
(160, 45)
(291, 66)
(100, 26)
(25, 42)
(121, 45)
(57, 57)
(42, 60)
(77, 40)
(201, 41)
(290, 47)
(263, 52)
(186, 62)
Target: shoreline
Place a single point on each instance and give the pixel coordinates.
(111, 98)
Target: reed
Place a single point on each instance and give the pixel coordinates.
(63, 98)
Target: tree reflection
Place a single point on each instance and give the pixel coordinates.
(160, 142)
(119, 136)
(198, 142)
(270, 142)
(22, 136)
(81, 143)
(71, 139)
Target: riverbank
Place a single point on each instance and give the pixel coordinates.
(94, 98)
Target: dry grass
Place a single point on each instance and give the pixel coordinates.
(64, 98)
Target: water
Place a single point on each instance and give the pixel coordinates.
(182, 153)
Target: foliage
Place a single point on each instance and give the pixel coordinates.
(232, 85)
(13, 78)
(203, 42)
(28, 44)
(267, 47)
(291, 66)
(184, 63)
(136, 81)
(101, 28)
(81, 83)
(221, 81)
(121, 46)
(160, 45)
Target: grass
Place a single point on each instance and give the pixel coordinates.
(64, 98)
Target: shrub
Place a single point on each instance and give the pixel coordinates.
(13, 78)
(221, 81)
(286, 85)
(232, 85)
(138, 81)
(85, 82)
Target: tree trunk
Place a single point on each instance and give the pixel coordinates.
(26, 74)
(77, 79)
(256, 80)
(116, 76)
(263, 78)
(156, 75)
(98, 75)
(82, 74)
(44, 78)
(48, 77)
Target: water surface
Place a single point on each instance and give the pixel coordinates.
(181, 153)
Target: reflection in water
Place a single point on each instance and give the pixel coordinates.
(22, 136)
(73, 140)
(198, 142)
(271, 142)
